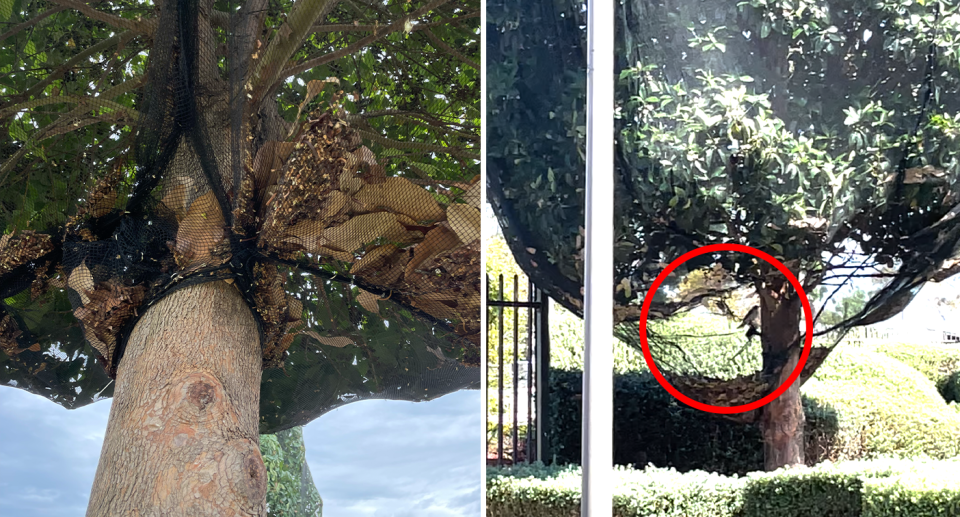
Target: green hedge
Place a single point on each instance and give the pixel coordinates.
(860, 404)
(650, 426)
(884, 407)
(939, 363)
(879, 488)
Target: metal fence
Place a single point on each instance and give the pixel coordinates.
(881, 335)
(518, 365)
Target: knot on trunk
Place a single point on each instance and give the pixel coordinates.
(243, 468)
(201, 399)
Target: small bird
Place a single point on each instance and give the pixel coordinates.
(751, 321)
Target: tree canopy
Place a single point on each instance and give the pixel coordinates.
(822, 133)
(321, 155)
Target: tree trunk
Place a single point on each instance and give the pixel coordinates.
(182, 438)
(781, 421)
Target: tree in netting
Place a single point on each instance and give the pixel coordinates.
(233, 217)
(825, 134)
(290, 488)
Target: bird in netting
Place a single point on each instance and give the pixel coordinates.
(751, 321)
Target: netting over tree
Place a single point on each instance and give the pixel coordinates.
(823, 133)
(321, 157)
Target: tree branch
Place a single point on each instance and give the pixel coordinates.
(82, 56)
(31, 22)
(64, 99)
(287, 40)
(347, 27)
(72, 120)
(441, 45)
(418, 146)
(382, 33)
(139, 26)
(413, 117)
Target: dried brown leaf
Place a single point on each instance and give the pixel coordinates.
(923, 174)
(472, 196)
(306, 233)
(376, 258)
(402, 196)
(104, 204)
(364, 229)
(200, 231)
(465, 220)
(438, 305)
(335, 204)
(436, 241)
(350, 183)
(369, 301)
(176, 195)
(314, 88)
(81, 281)
(294, 309)
(342, 256)
(336, 341)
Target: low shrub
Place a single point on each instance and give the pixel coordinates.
(651, 426)
(878, 488)
(860, 404)
(884, 407)
(939, 363)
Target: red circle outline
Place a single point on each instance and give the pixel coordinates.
(807, 345)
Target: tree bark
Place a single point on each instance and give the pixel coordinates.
(781, 421)
(182, 438)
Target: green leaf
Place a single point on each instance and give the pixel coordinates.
(6, 9)
(17, 132)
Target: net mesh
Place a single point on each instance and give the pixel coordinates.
(824, 134)
(293, 151)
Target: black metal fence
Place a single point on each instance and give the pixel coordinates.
(518, 365)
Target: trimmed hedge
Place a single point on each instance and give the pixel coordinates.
(860, 404)
(939, 363)
(651, 426)
(879, 488)
(884, 407)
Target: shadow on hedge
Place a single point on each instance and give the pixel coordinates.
(652, 427)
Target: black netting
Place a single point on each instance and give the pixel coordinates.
(323, 180)
(824, 134)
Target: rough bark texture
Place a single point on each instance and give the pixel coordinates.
(781, 421)
(182, 438)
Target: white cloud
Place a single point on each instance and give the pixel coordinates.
(372, 458)
(389, 458)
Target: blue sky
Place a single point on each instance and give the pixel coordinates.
(372, 458)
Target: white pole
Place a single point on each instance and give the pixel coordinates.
(597, 458)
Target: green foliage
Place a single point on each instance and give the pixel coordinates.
(768, 124)
(566, 345)
(859, 404)
(879, 488)
(840, 310)
(651, 426)
(290, 488)
(417, 103)
(71, 91)
(883, 407)
(939, 363)
(388, 351)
